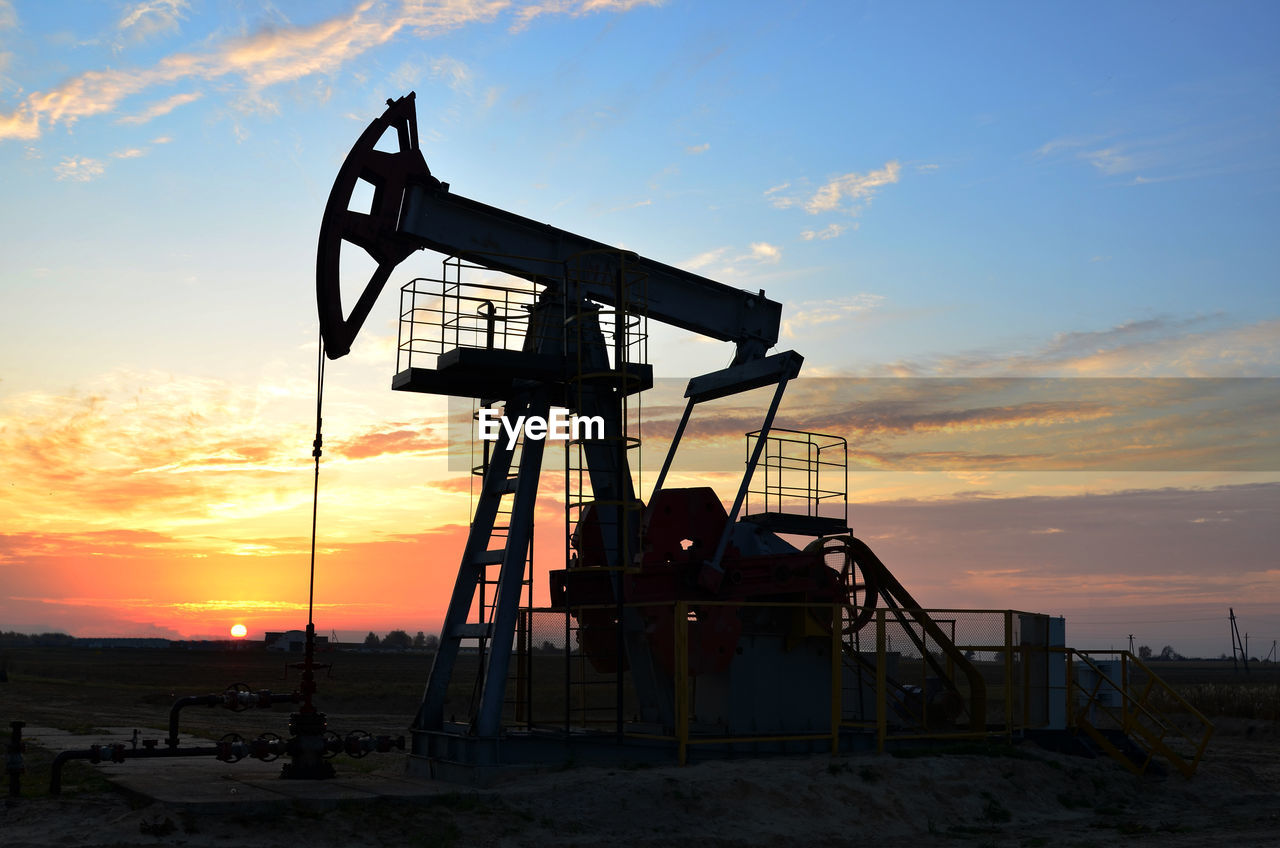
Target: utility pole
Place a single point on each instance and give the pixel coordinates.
(1131, 643)
(1237, 644)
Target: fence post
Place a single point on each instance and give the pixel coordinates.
(1008, 675)
(882, 718)
(837, 677)
(682, 681)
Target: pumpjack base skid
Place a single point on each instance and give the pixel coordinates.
(454, 757)
(499, 373)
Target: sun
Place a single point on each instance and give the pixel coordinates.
(239, 631)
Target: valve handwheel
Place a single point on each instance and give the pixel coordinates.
(375, 231)
(234, 697)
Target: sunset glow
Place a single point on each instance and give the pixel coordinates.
(959, 196)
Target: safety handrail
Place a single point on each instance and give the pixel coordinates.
(1135, 709)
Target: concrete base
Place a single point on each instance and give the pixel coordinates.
(454, 757)
(250, 786)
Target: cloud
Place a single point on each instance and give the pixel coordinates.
(267, 57)
(851, 187)
(722, 261)
(1153, 347)
(163, 107)
(1068, 424)
(811, 313)
(575, 9)
(695, 149)
(828, 232)
(21, 123)
(765, 252)
(130, 153)
(8, 15)
(149, 18)
(1123, 550)
(171, 448)
(454, 72)
(1110, 160)
(403, 439)
(1181, 152)
(849, 193)
(79, 169)
(705, 259)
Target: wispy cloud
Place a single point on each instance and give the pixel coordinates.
(79, 169)
(1154, 347)
(162, 107)
(695, 149)
(830, 231)
(130, 153)
(575, 8)
(1179, 152)
(8, 15)
(149, 18)
(849, 193)
(268, 57)
(705, 259)
(851, 187)
(724, 261)
(453, 71)
(393, 439)
(808, 314)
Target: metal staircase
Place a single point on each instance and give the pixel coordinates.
(500, 598)
(1128, 712)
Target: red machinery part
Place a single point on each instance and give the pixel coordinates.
(681, 528)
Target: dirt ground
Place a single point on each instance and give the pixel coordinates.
(1019, 797)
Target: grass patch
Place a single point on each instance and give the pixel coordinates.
(78, 776)
(1227, 699)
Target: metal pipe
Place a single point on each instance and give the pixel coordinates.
(233, 699)
(188, 701)
(118, 754)
(13, 760)
(266, 748)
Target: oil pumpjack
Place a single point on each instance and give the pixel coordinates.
(636, 565)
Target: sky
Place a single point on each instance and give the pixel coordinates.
(940, 195)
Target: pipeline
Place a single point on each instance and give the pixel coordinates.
(236, 698)
(230, 749)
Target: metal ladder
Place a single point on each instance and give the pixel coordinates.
(511, 559)
(487, 589)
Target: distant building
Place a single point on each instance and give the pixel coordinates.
(293, 641)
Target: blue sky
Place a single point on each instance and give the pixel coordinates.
(994, 189)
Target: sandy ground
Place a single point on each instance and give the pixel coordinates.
(1034, 799)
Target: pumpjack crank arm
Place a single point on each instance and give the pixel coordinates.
(412, 210)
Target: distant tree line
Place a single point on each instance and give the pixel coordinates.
(399, 640)
(11, 638)
(1167, 653)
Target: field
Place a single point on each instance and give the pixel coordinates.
(995, 795)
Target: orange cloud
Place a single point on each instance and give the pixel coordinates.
(263, 59)
(384, 442)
